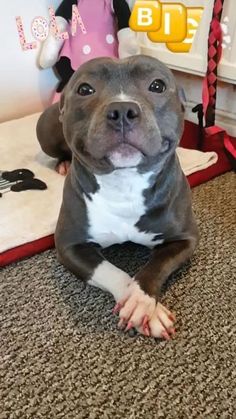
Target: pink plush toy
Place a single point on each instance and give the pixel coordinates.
(107, 34)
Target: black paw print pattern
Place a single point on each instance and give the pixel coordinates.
(19, 180)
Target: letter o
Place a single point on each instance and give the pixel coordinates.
(40, 28)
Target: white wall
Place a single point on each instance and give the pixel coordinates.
(24, 88)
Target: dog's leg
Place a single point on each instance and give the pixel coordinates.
(140, 307)
(136, 298)
(51, 138)
(88, 264)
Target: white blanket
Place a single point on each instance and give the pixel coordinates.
(192, 161)
(30, 215)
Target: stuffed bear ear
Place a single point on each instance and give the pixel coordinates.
(131, 3)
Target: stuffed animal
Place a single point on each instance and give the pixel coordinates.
(19, 180)
(107, 34)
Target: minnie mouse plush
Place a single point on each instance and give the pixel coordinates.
(107, 34)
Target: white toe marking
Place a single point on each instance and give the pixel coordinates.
(160, 322)
(162, 315)
(137, 305)
(110, 278)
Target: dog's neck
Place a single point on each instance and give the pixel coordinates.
(125, 179)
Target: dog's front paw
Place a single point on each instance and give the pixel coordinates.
(161, 324)
(62, 167)
(140, 311)
(135, 309)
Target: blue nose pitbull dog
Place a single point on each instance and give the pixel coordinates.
(121, 121)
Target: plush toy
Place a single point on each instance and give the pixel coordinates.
(107, 34)
(19, 180)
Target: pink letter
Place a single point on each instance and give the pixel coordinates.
(24, 45)
(40, 28)
(53, 26)
(76, 18)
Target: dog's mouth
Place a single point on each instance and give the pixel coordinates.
(124, 155)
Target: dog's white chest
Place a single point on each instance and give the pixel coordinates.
(116, 208)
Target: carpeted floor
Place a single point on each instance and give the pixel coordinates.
(62, 355)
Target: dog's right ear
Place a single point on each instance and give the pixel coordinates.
(181, 94)
(62, 105)
(182, 97)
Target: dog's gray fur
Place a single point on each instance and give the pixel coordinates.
(80, 126)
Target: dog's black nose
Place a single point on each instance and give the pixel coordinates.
(123, 114)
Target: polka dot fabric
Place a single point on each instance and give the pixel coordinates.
(100, 38)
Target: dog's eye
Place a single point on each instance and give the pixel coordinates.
(85, 89)
(157, 86)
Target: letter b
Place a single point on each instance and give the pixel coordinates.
(146, 16)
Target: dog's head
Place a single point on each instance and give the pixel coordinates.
(122, 113)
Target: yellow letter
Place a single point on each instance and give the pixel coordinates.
(174, 24)
(146, 16)
(194, 15)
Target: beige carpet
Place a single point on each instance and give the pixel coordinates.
(63, 357)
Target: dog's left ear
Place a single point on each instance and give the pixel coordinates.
(182, 97)
(61, 105)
